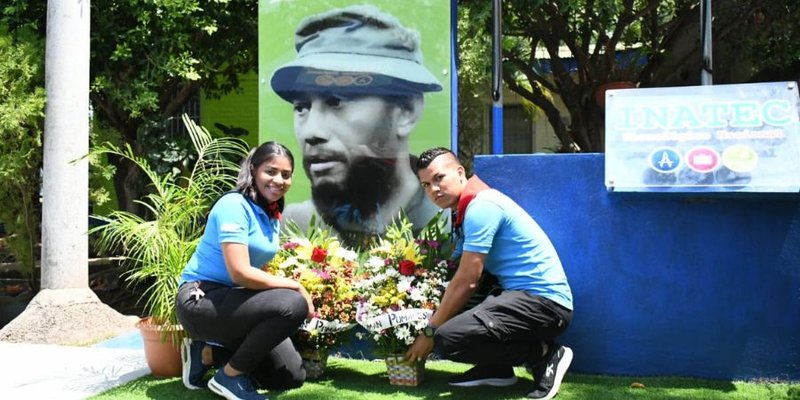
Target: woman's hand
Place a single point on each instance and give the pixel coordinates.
(311, 310)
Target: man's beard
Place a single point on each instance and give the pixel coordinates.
(370, 182)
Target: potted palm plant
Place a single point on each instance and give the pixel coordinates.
(157, 247)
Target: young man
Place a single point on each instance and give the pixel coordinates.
(519, 324)
(357, 89)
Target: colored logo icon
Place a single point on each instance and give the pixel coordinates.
(702, 159)
(665, 159)
(740, 158)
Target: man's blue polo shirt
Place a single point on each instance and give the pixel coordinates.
(519, 253)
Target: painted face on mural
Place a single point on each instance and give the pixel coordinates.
(336, 132)
(350, 145)
(357, 88)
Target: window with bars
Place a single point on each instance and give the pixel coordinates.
(192, 109)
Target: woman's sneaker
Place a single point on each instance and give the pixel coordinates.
(193, 370)
(238, 387)
(549, 374)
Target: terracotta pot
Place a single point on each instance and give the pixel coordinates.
(161, 347)
(600, 93)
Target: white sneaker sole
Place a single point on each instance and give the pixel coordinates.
(499, 382)
(220, 390)
(186, 364)
(563, 365)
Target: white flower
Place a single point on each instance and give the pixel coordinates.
(424, 287)
(403, 333)
(404, 284)
(374, 263)
(420, 324)
(346, 254)
(417, 295)
(289, 262)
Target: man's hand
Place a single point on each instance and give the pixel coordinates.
(420, 349)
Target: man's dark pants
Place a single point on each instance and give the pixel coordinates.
(508, 328)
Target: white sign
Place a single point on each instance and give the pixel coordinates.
(715, 138)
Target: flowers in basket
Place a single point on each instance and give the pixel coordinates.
(326, 270)
(400, 285)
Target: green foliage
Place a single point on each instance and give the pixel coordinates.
(149, 57)
(474, 75)
(557, 54)
(158, 248)
(22, 100)
(100, 171)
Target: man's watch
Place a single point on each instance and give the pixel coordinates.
(429, 330)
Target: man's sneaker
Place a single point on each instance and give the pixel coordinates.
(548, 377)
(485, 375)
(238, 387)
(193, 370)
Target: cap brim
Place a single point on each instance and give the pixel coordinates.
(405, 76)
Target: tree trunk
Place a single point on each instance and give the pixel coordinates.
(127, 185)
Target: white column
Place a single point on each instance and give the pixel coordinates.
(65, 214)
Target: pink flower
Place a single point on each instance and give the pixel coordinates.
(322, 274)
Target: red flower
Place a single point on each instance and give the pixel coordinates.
(407, 267)
(318, 255)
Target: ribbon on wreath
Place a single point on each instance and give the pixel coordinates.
(394, 318)
(325, 326)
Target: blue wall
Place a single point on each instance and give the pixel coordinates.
(666, 284)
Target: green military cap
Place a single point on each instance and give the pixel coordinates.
(357, 49)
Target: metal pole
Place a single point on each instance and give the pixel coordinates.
(706, 42)
(453, 76)
(497, 79)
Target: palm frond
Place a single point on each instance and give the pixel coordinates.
(158, 248)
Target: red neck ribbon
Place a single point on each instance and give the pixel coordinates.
(474, 185)
(274, 211)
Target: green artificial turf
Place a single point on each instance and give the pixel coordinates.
(367, 380)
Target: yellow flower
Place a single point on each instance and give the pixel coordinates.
(304, 249)
(411, 253)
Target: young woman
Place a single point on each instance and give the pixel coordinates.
(236, 313)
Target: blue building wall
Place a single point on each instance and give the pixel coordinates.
(666, 284)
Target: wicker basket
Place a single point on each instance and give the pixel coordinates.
(315, 362)
(403, 374)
